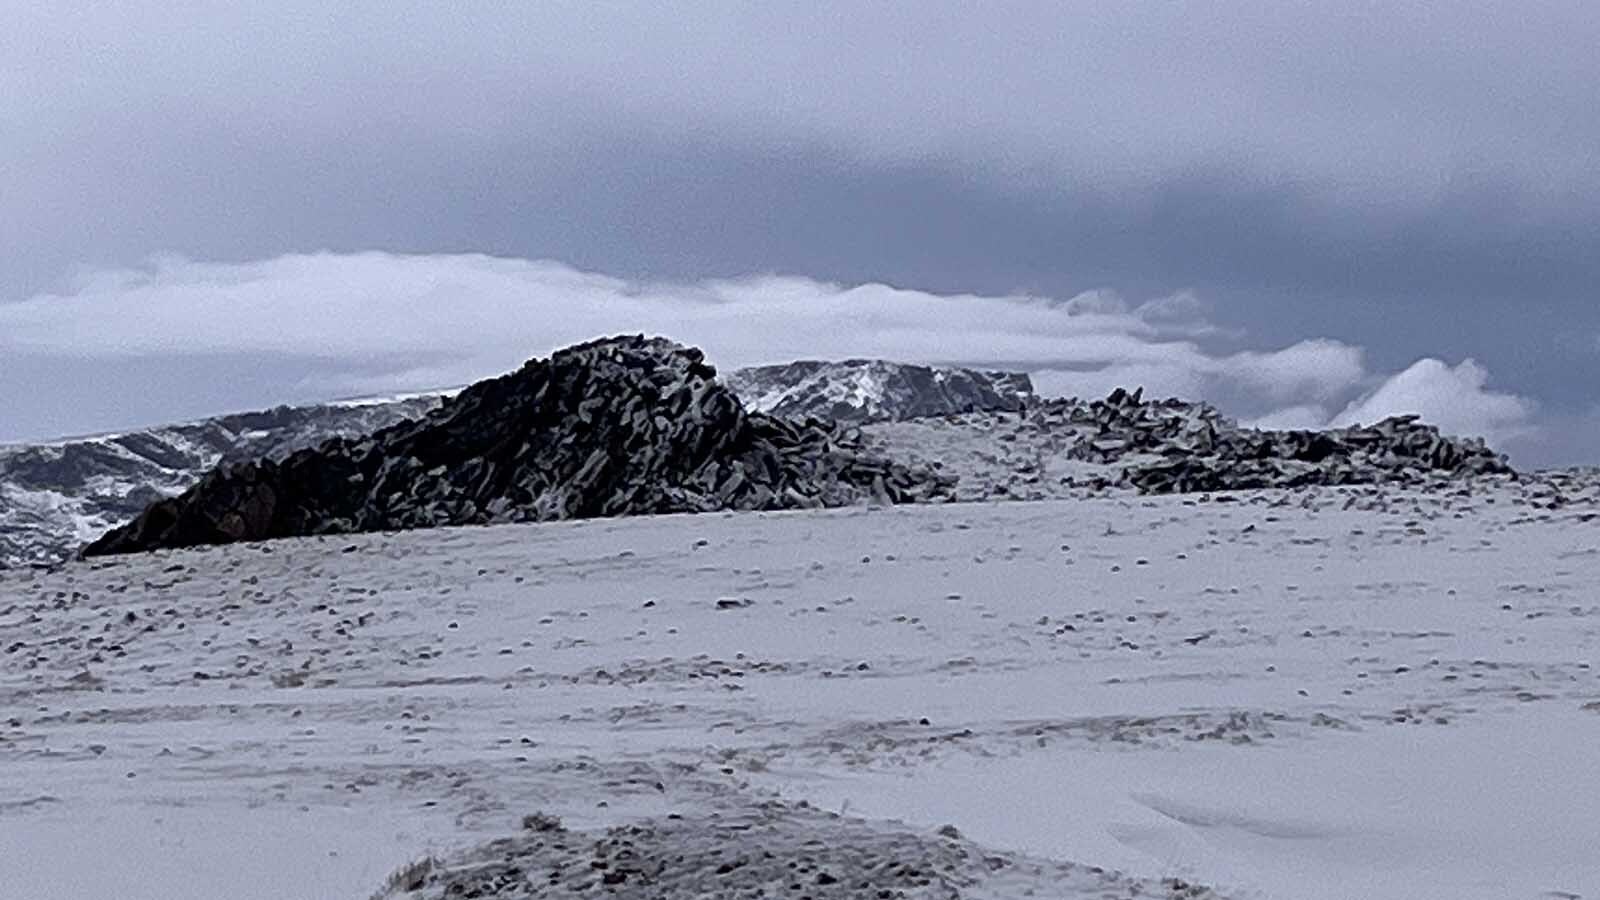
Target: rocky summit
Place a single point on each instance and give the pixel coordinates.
(622, 426)
(875, 390)
(56, 496)
(1058, 448)
(1197, 449)
(826, 433)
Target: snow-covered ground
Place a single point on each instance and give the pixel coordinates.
(1326, 694)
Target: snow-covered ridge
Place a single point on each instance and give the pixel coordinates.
(56, 496)
(632, 425)
(867, 390)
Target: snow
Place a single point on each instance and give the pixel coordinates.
(1277, 696)
(19, 505)
(859, 385)
(134, 853)
(1501, 808)
(56, 497)
(441, 394)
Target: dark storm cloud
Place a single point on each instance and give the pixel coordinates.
(209, 131)
(1417, 181)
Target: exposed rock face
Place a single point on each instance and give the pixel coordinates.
(622, 426)
(765, 849)
(862, 390)
(1058, 447)
(1201, 451)
(56, 496)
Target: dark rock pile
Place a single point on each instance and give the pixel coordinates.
(765, 849)
(622, 426)
(1064, 448)
(1169, 446)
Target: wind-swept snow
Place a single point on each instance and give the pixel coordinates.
(1324, 694)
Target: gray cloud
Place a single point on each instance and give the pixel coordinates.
(1416, 181)
(1359, 99)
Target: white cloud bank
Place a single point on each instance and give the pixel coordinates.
(1441, 393)
(379, 322)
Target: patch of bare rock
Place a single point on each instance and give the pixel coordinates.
(1058, 447)
(624, 426)
(768, 849)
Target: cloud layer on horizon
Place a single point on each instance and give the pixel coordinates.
(379, 323)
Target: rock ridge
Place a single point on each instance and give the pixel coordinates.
(619, 426)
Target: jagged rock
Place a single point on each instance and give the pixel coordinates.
(1057, 446)
(623, 426)
(1202, 451)
(58, 495)
(1015, 446)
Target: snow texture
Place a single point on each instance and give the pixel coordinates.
(1374, 692)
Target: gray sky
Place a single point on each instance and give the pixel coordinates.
(191, 194)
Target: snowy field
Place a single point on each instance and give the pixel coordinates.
(1300, 695)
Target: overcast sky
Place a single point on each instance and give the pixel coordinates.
(1310, 213)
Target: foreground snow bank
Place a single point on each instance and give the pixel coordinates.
(1503, 806)
(1332, 693)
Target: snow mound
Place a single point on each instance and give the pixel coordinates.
(766, 849)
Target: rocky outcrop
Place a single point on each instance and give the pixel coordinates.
(623, 426)
(1196, 449)
(57, 496)
(1058, 447)
(873, 390)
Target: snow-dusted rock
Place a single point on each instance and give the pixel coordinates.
(759, 849)
(1062, 447)
(56, 497)
(622, 426)
(985, 429)
(868, 390)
